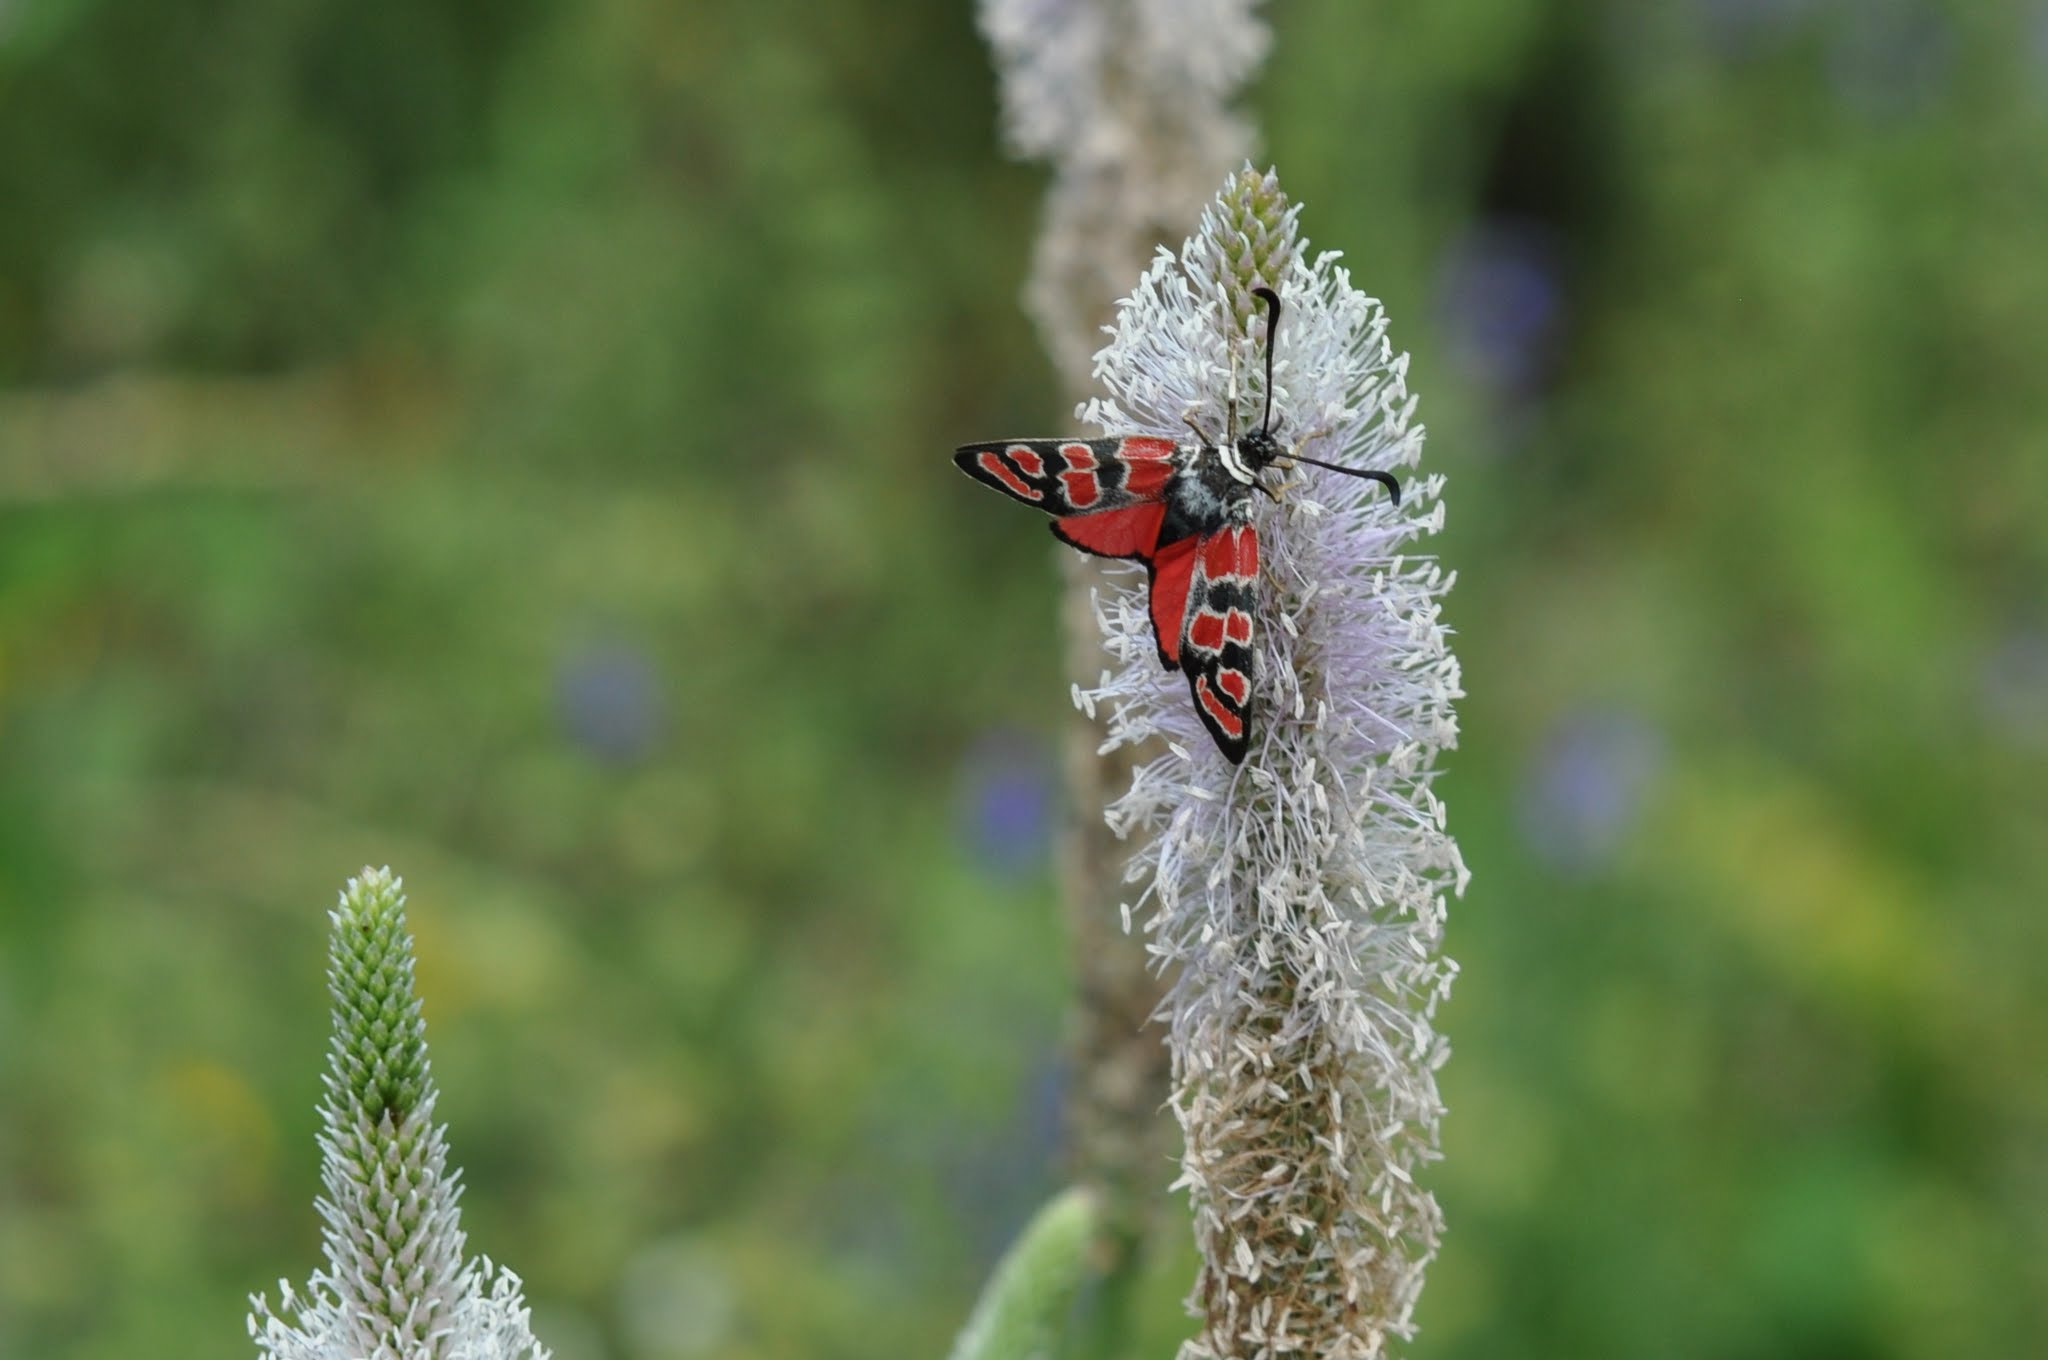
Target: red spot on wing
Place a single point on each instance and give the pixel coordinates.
(1083, 487)
(1027, 460)
(992, 463)
(1237, 626)
(1173, 571)
(1148, 464)
(1231, 552)
(1205, 631)
(1226, 721)
(1234, 684)
(1130, 532)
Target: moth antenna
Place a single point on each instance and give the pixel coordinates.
(1385, 479)
(1272, 325)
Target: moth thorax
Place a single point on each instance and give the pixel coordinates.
(1234, 461)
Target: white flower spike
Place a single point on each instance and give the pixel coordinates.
(1300, 896)
(396, 1286)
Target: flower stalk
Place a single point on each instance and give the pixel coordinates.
(1129, 103)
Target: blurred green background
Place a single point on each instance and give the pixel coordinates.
(509, 441)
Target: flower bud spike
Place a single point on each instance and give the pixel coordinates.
(398, 1281)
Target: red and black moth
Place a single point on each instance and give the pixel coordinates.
(1184, 509)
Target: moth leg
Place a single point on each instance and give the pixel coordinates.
(1320, 432)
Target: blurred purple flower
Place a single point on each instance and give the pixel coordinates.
(990, 1170)
(1501, 303)
(1889, 58)
(2013, 683)
(2038, 48)
(609, 699)
(995, 1179)
(1583, 795)
(1740, 28)
(1006, 803)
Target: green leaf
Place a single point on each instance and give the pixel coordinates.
(1024, 1308)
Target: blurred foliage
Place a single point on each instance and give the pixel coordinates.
(508, 441)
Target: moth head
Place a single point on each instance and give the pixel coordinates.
(1260, 449)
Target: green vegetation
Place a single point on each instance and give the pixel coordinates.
(509, 442)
